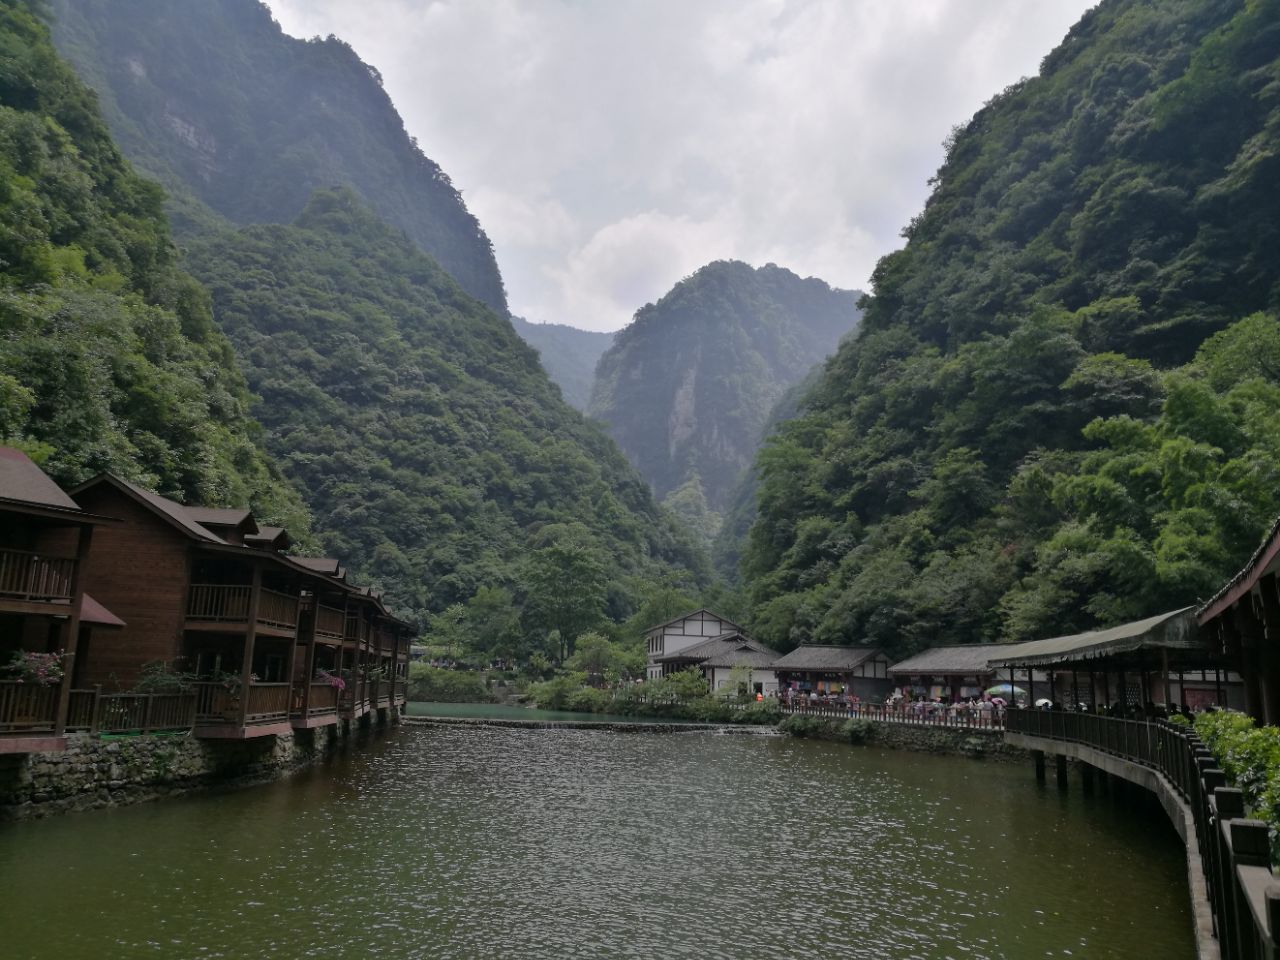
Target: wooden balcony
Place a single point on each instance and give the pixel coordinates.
(218, 709)
(30, 582)
(330, 623)
(318, 710)
(122, 713)
(212, 606)
(28, 717)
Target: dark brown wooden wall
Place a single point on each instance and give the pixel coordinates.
(138, 570)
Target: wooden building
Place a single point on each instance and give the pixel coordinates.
(667, 639)
(834, 670)
(1241, 625)
(950, 673)
(45, 538)
(271, 637)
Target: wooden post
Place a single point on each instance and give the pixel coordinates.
(306, 635)
(97, 706)
(146, 713)
(84, 536)
(1245, 628)
(1038, 757)
(1164, 673)
(250, 639)
(1031, 688)
(1269, 592)
(1061, 763)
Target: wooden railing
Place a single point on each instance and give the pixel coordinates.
(28, 707)
(223, 603)
(330, 622)
(218, 704)
(31, 576)
(323, 701)
(97, 712)
(278, 609)
(1235, 851)
(920, 714)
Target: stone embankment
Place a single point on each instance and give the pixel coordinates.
(94, 772)
(615, 726)
(921, 738)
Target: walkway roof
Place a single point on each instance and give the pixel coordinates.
(1172, 631)
(1265, 560)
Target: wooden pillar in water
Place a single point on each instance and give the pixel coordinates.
(1038, 757)
(1086, 778)
(1061, 762)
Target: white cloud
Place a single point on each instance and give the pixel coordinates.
(611, 148)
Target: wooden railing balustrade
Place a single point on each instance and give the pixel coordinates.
(97, 712)
(268, 702)
(330, 622)
(28, 707)
(33, 576)
(229, 603)
(323, 702)
(1235, 851)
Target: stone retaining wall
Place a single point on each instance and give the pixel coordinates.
(922, 738)
(106, 771)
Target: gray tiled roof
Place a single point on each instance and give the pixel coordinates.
(812, 656)
(966, 659)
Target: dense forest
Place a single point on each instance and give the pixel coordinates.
(216, 101)
(1060, 410)
(688, 387)
(568, 354)
(109, 357)
(427, 439)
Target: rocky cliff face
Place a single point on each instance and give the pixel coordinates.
(687, 388)
(212, 98)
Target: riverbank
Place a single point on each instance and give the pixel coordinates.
(94, 772)
(969, 742)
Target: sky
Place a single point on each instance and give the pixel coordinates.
(610, 148)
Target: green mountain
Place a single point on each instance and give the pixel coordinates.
(109, 358)
(1061, 407)
(568, 354)
(215, 101)
(428, 440)
(687, 388)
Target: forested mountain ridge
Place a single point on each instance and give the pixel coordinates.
(212, 97)
(109, 357)
(1031, 433)
(688, 386)
(568, 354)
(429, 442)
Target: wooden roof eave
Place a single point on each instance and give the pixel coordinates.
(1241, 585)
(77, 517)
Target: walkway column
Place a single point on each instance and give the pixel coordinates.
(250, 638)
(1061, 760)
(1038, 757)
(1269, 589)
(1086, 777)
(84, 536)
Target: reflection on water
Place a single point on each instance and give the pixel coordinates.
(485, 842)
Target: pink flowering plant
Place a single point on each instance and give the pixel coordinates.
(332, 679)
(29, 667)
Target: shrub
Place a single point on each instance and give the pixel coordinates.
(428, 683)
(799, 725)
(761, 712)
(587, 700)
(857, 729)
(1250, 757)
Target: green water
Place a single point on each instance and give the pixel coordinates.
(482, 842)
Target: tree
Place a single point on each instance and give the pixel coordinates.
(566, 586)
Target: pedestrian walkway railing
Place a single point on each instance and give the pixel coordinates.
(922, 714)
(1235, 850)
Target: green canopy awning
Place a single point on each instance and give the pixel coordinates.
(1170, 631)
